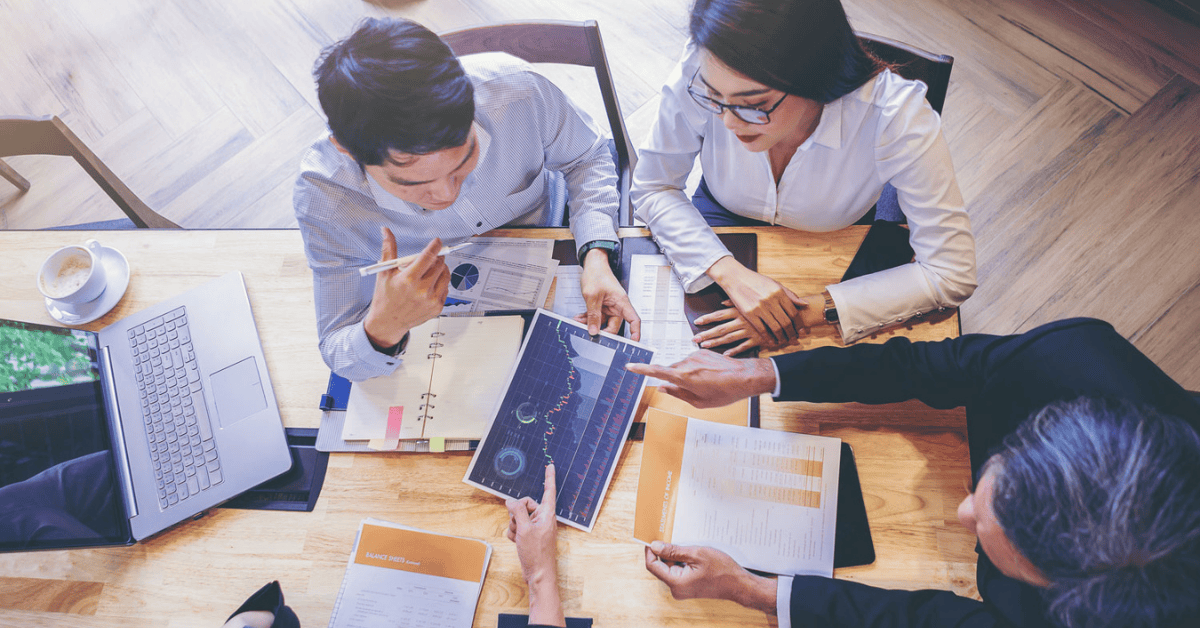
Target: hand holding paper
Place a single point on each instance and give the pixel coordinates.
(704, 572)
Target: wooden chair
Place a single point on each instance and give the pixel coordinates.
(574, 43)
(50, 136)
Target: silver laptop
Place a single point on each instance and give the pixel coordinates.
(110, 437)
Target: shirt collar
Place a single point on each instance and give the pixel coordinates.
(829, 130)
(388, 201)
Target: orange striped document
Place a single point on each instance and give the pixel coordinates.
(401, 576)
(766, 498)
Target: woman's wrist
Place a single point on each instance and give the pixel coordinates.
(813, 314)
(724, 269)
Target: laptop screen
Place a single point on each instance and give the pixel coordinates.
(58, 482)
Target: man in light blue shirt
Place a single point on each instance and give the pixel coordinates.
(427, 148)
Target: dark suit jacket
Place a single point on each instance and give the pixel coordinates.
(1000, 380)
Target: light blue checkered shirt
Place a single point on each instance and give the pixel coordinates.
(527, 128)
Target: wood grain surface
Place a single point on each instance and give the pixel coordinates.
(912, 461)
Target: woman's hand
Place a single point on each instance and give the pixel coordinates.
(770, 309)
(733, 328)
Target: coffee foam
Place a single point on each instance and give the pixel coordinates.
(72, 273)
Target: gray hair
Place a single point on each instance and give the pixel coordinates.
(1104, 498)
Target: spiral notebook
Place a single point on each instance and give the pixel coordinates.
(453, 372)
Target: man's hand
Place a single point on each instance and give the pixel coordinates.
(772, 310)
(707, 379)
(703, 572)
(534, 529)
(406, 297)
(607, 303)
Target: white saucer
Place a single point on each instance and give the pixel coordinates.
(116, 271)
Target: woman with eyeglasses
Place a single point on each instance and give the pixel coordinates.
(796, 125)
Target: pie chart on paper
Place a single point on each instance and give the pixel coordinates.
(464, 277)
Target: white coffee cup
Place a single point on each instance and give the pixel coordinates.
(73, 274)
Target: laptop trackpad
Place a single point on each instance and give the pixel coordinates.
(238, 391)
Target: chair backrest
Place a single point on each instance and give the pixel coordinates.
(50, 136)
(914, 64)
(575, 43)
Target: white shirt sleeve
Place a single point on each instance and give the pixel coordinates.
(783, 602)
(575, 146)
(664, 161)
(911, 153)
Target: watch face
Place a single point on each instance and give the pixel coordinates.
(831, 315)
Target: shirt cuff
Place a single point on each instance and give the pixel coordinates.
(778, 380)
(362, 347)
(783, 601)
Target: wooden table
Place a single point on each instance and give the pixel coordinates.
(912, 461)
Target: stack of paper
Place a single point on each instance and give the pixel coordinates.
(497, 274)
(766, 498)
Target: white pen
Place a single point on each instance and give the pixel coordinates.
(401, 262)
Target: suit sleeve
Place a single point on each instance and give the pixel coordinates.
(943, 374)
(824, 602)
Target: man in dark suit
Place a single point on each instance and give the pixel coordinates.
(1086, 462)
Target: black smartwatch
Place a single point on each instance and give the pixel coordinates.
(612, 248)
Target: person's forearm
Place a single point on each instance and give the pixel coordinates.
(545, 604)
(725, 270)
(758, 593)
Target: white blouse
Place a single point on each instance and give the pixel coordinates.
(882, 132)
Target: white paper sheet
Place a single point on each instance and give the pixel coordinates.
(766, 498)
(657, 296)
(385, 597)
(568, 292)
(500, 274)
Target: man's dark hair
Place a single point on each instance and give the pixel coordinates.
(1104, 498)
(394, 85)
(802, 47)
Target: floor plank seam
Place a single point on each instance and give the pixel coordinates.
(1146, 328)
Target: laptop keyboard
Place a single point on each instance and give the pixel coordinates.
(177, 425)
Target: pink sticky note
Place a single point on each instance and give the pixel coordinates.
(395, 414)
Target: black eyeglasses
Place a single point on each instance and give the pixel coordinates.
(749, 115)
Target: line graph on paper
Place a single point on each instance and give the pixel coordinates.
(570, 401)
(510, 286)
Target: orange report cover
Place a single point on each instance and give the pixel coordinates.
(403, 576)
(767, 498)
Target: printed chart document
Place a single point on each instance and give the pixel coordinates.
(401, 577)
(500, 274)
(657, 296)
(766, 498)
(568, 291)
(570, 401)
(452, 374)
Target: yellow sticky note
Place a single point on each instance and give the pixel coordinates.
(437, 444)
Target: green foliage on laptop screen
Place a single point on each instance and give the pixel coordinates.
(35, 357)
